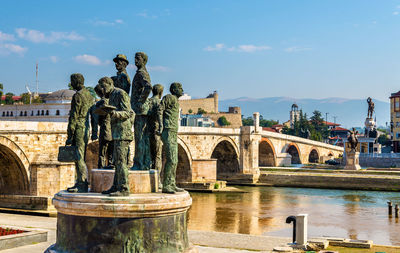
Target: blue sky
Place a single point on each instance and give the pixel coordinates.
(301, 49)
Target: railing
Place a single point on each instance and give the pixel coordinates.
(380, 155)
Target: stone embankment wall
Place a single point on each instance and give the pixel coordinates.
(210, 104)
(379, 162)
(234, 118)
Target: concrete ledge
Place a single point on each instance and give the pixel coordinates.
(17, 240)
(25, 202)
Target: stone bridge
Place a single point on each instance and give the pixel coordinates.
(29, 167)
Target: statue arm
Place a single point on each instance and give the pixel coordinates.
(76, 103)
(94, 123)
(160, 112)
(126, 111)
(146, 86)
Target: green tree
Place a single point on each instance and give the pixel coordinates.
(384, 140)
(37, 100)
(9, 100)
(247, 121)
(201, 111)
(222, 121)
(25, 98)
(190, 111)
(319, 130)
(92, 92)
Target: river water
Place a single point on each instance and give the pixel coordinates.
(263, 211)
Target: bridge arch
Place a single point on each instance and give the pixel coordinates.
(266, 153)
(227, 155)
(313, 157)
(184, 168)
(14, 168)
(294, 151)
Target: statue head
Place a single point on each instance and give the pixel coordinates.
(176, 89)
(99, 91)
(77, 81)
(106, 85)
(121, 62)
(140, 59)
(158, 90)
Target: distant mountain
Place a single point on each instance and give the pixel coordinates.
(349, 112)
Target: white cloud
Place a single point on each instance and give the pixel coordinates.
(106, 23)
(6, 49)
(52, 37)
(6, 37)
(241, 48)
(53, 59)
(217, 47)
(88, 59)
(251, 48)
(144, 14)
(297, 49)
(395, 13)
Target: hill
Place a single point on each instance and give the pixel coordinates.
(349, 112)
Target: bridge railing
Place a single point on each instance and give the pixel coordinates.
(380, 155)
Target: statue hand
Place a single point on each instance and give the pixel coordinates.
(68, 142)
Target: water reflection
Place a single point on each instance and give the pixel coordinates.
(263, 210)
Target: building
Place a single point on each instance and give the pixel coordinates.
(55, 108)
(196, 120)
(395, 120)
(294, 115)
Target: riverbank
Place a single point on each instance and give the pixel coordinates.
(375, 180)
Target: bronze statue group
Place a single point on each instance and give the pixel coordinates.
(155, 122)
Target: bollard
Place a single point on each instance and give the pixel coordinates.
(288, 221)
(390, 207)
(396, 211)
(301, 229)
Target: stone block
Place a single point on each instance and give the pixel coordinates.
(143, 181)
(204, 170)
(352, 161)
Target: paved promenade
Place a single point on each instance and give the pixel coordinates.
(205, 241)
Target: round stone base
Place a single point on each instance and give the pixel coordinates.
(93, 222)
(140, 181)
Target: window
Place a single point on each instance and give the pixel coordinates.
(47, 112)
(32, 113)
(11, 114)
(8, 114)
(25, 113)
(397, 114)
(4, 114)
(42, 112)
(397, 124)
(58, 112)
(21, 113)
(38, 113)
(397, 135)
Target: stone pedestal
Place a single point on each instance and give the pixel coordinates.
(92, 222)
(140, 181)
(352, 161)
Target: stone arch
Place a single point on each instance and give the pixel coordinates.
(294, 151)
(14, 168)
(225, 152)
(313, 157)
(266, 153)
(184, 168)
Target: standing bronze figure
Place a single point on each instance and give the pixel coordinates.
(78, 129)
(352, 139)
(141, 88)
(121, 80)
(121, 114)
(371, 107)
(168, 119)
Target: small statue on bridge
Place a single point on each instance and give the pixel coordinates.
(141, 88)
(168, 120)
(78, 129)
(105, 136)
(371, 107)
(121, 80)
(352, 139)
(121, 115)
(155, 139)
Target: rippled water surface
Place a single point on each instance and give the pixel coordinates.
(263, 210)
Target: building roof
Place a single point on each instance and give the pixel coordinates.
(331, 123)
(64, 94)
(397, 94)
(269, 129)
(339, 129)
(14, 98)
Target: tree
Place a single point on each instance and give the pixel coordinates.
(190, 111)
(319, 130)
(384, 140)
(222, 121)
(201, 111)
(247, 121)
(9, 98)
(1, 92)
(92, 92)
(25, 98)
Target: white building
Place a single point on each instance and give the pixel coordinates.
(55, 108)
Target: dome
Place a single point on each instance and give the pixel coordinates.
(64, 94)
(294, 106)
